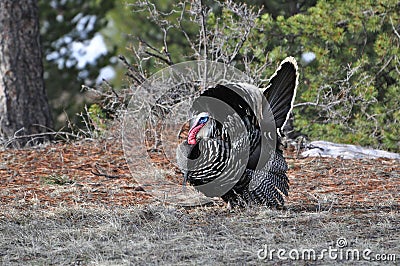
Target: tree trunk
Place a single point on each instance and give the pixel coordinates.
(24, 110)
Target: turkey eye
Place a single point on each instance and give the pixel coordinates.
(203, 119)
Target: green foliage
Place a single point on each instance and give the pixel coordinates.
(98, 117)
(352, 86)
(282, 8)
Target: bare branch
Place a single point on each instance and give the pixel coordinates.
(100, 172)
(181, 28)
(166, 60)
(166, 50)
(203, 32)
(394, 28)
(133, 73)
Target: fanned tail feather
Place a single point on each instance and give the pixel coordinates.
(281, 90)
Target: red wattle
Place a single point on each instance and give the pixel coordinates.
(193, 133)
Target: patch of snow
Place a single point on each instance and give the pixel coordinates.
(345, 151)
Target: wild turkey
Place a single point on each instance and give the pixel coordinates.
(232, 149)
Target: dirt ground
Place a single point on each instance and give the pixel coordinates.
(77, 203)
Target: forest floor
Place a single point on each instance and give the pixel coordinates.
(77, 203)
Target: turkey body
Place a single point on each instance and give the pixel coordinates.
(232, 149)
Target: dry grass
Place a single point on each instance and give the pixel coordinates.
(77, 204)
(158, 234)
